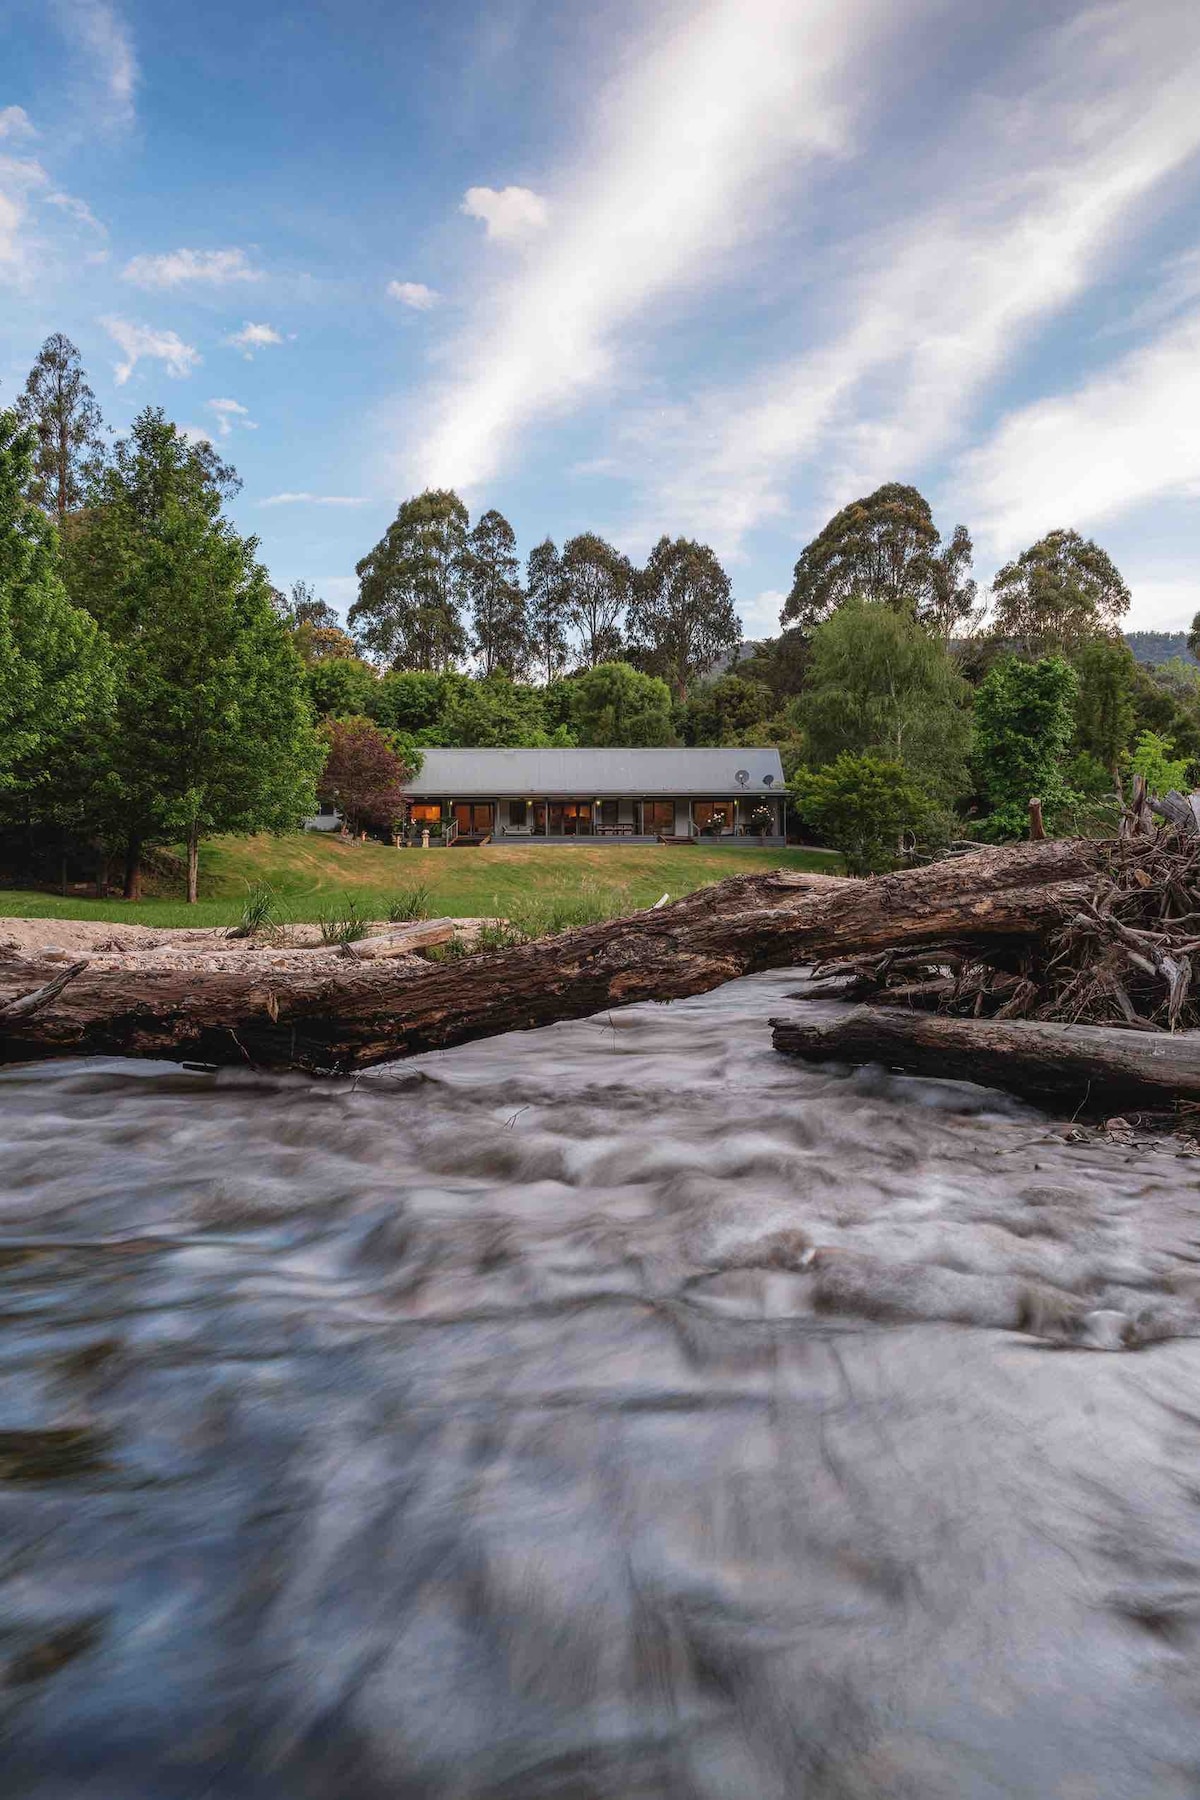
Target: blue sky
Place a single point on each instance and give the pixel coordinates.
(712, 267)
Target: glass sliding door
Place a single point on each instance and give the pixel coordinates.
(474, 818)
(659, 816)
(569, 818)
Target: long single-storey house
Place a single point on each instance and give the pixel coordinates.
(630, 796)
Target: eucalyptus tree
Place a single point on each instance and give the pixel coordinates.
(546, 612)
(883, 547)
(412, 586)
(1061, 591)
(681, 615)
(598, 580)
(500, 635)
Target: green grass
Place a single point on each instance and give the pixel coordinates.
(312, 876)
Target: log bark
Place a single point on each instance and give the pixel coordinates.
(1061, 1067)
(369, 1013)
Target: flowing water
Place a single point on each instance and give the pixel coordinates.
(487, 1427)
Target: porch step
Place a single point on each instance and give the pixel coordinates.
(471, 840)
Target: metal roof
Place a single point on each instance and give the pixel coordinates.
(591, 774)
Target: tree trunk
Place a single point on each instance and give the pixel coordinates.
(193, 865)
(133, 867)
(102, 875)
(1070, 1068)
(370, 1013)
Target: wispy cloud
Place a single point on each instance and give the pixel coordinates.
(21, 178)
(1128, 435)
(940, 303)
(314, 500)
(176, 268)
(102, 40)
(138, 342)
(414, 294)
(683, 161)
(253, 337)
(508, 214)
(15, 123)
(230, 413)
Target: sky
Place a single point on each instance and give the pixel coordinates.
(712, 268)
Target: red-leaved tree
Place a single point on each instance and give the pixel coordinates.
(364, 774)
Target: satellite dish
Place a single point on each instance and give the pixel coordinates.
(742, 777)
(768, 781)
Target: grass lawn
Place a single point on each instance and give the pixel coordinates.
(312, 873)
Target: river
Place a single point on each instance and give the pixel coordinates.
(484, 1426)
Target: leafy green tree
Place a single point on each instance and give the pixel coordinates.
(497, 599)
(722, 711)
(598, 580)
(879, 683)
(55, 663)
(1024, 723)
(1060, 591)
(61, 408)
(341, 687)
(614, 704)
(782, 663)
(1104, 709)
(411, 586)
(1180, 676)
(546, 588)
(492, 713)
(410, 700)
(1152, 758)
(884, 547)
(681, 615)
(863, 806)
(1166, 710)
(214, 731)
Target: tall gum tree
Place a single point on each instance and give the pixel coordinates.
(598, 580)
(412, 586)
(1061, 591)
(884, 547)
(500, 636)
(681, 616)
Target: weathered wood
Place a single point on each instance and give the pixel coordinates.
(420, 934)
(26, 1005)
(1067, 1067)
(363, 1014)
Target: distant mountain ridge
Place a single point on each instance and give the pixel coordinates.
(1155, 647)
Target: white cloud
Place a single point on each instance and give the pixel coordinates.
(99, 34)
(230, 413)
(685, 158)
(938, 304)
(414, 294)
(195, 434)
(1128, 435)
(174, 268)
(143, 341)
(760, 616)
(21, 178)
(16, 123)
(508, 214)
(77, 209)
(314, 500)
(1162, 602)
(254, 337)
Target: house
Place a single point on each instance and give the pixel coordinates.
(633, 796)
(627, 796)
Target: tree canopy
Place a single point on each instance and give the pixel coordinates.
(681, 615)
(616, 704)
(412, 586)
(597, 581)
(884, 547)
(60, 406)
(500, 637)
(1061, 591)
(879, 683)
(1024, 722)
(546, 591)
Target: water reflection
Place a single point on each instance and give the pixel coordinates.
(611, 1411)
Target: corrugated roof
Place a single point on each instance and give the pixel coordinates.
(588, 774)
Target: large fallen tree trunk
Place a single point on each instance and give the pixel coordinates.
(1069, 1067)
(372, 1012)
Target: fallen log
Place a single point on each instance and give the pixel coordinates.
(1061, 1067)
(422, 934)
(367, 1013)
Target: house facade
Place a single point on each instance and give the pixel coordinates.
(610, 796)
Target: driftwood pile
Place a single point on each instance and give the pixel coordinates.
(1123, 955)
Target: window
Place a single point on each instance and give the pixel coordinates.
(713, 816)
(658, 815)
(609, 814)
(518, 812)
(425, 812)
